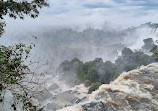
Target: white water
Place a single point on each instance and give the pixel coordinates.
(133, 40)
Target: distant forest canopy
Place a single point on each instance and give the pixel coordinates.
(96, 72)
(65, 43)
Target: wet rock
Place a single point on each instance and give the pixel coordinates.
(61, 100)
(44, 95)
(53, 87)
(136, 90)
(53, 106)
(80, 100)
(96, 106)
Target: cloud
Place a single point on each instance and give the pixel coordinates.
(94, 13)
(98, 5)
(80, 14)
(102, 8)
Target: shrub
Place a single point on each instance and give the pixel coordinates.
(94, 87)
(154, 50)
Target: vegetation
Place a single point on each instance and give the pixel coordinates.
(13, 73)
(148, 44)
(154, 51)
(96, 72)
(133, 59)
(17, 9)
(13, 69)
(94, 86)
(89, 72)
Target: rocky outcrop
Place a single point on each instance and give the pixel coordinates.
(136, 90)
(55, 97)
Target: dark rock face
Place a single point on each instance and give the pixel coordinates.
(80, 100)
(136, 90)
(63, 99)
(96, 106)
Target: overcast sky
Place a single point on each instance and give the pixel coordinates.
(91, 13)
(98, 11)
(81, 14)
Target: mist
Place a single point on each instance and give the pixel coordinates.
(65, 43)
(91, 31)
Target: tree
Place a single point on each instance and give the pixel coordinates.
(92, 73)
(17, 9)
(13, 70)
(14, 77)
(130, 60)
(148, 44)
(154, 51)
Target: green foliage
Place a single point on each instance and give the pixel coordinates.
(133, 59)
(13, 71)
(154, 51)
(11, 62)
(115, 71)
(16, 9)
(90, 72)
(103, 72)
(12, 68)
(2, 24)
(94, 72)
(94, 87)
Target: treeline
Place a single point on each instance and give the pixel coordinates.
(96, 72)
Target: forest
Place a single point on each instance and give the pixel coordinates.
(96, 72)
(78, 55)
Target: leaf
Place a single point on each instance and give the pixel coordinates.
(34, 37)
